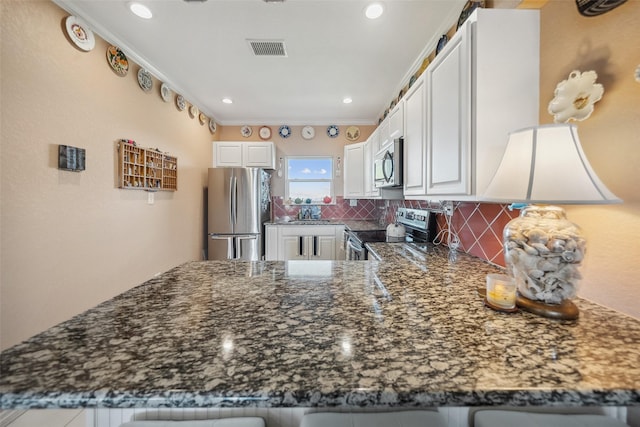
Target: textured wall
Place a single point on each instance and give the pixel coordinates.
(71, 240)
(607, 44)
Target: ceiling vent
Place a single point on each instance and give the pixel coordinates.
(268, 47)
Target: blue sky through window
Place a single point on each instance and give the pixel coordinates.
(310, 168)
(310, 178)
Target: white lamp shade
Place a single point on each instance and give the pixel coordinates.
(546, 164)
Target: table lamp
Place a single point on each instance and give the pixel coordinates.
(542, 249)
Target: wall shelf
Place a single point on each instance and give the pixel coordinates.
(146, 168)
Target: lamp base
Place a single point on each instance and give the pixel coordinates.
(566, 310)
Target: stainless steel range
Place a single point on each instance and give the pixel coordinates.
(420, 227)
(420, 224)
(354, 243)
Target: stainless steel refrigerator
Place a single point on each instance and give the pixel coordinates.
(239, 203)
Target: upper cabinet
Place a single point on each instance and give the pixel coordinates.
(396, 121)
(415, 159)
(481, 86)
(359, 180)
(354, 170)
(236, 154)
(392, 127)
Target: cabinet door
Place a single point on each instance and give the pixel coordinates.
(396, 121)
(415, 161)
(227, 154)
(322, 247)
(259, 155)
(448, 82)
(370, 189)
(354, 170)
(383, 135)
(292, 247)
(271, 243)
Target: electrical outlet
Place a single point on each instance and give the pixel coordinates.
(150, 198)
(447, 208)
(353, 202)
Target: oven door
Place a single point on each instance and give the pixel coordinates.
(355, 250)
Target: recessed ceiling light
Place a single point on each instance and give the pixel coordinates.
(374, 10)
(140, 10)
(347, 100)
(227, 100)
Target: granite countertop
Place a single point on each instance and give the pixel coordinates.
(412, 333)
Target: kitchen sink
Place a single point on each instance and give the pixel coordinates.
(308, 221)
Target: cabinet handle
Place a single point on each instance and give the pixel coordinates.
(315, 245)
(300, 245)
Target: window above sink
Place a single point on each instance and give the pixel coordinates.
(309, 180)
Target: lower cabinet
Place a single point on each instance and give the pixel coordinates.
(303, 242)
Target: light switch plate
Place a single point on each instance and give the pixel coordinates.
(150, 198)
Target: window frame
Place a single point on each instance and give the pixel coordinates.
(330, 179)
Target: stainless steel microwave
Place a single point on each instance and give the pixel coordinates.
(388, 166)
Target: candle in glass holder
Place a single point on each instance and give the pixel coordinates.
(501, 291)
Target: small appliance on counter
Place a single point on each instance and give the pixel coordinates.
(396, 233)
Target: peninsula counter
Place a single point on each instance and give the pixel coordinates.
(408, 331)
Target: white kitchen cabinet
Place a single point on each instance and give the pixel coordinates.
(358, 171)
(383, 135)
(396, 121)
(353, 171)
(370, 189)
(236, 154)
(415, 158)
(303, 242)
(392, 127)
(481, 86)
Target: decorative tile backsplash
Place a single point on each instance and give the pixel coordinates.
(365, 209)
(478, 225)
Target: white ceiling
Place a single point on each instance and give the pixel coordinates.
(200, 49)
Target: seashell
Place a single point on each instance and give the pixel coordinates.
(529, 250)
(569, 256)
(556, 245)
(536, 273)
(537, 235)
(541, 248)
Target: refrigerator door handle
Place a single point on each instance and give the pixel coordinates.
(230, 245)
(234, 200)
(238, 244)
(315, 245)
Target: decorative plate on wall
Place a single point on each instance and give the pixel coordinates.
(79, 34)
(597, 7)
(284, 131)
(202, 118)
(118, 61)
(180, 103)
(265, 132)
(574, 97)
(352, 133)
(468, 9)
(212, 126)
(165, 92)
(441, 43)
(333, 131)
(145, 80)
(193, 111)
(308, 132)
(246, 131)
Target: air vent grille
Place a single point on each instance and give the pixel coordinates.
(268, 47)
